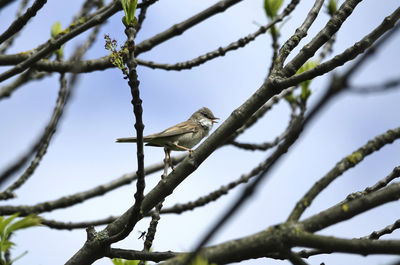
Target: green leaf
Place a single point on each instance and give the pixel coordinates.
(8, 226)
(129, 7)
(60, 52)
(305, 91)
(5, 245)
(26, 222)
(56, 29)
(310, 64)
(4, 223)
(271, 7)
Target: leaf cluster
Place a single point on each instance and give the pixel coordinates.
(8, 226)
(129, 7)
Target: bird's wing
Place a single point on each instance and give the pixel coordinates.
(181, 128)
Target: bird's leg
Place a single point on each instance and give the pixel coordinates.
(168, 157)
(184, 148)
(166, 162)
(170, 160)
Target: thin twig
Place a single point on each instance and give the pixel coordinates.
(40, 147)
(30, 75)
(142, 14)
(80, 197)
(86, 7)
(267, 145)
(56, 43)
(332, 26)
(21, 21)
(342, 166)
(275, 48)
(326, 49)
(141, 255)
(379, 185)
(349, 54)
(295, 39)
(261, 112)
(151, 231)
(4, 3)
(178, 29)
(295, 259)
(8, 43)
(75, 225)
(385, 231)
(221, 51)
(349, 208)
(374, 88)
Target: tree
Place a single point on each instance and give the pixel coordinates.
(296, 77)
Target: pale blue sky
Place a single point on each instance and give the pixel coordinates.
(83, 153)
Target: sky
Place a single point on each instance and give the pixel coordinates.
(83, 153)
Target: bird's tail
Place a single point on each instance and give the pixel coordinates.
(126, 140)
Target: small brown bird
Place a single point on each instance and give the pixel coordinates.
(181, 137)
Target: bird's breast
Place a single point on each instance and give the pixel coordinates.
(206, 123)
(190, 139)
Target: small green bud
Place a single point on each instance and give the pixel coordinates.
(305, 91)
(271, 7)
(56, 29)
(332, 7)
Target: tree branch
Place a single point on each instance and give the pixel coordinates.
(56, 43)
(7, 44)
(322, 37)
(348, 209)
(385, 231)
(21, 21)
(221, 51)
(140, 255)
(79, 197)
(294, 40)
(348, 55)
(374, 88)
(342, 166)
(178, 29)
(267, 145)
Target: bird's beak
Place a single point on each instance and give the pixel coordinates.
(213, 120)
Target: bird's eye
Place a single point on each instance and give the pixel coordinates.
(205, 114)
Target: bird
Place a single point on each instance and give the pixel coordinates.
(182, 136)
